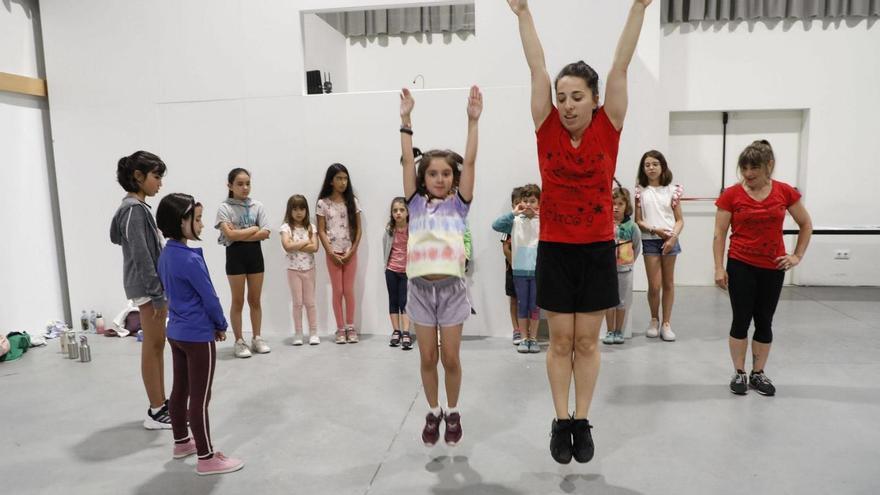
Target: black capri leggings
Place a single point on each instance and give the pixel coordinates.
(396, 283)
(754, 293)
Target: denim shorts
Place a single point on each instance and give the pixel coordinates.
(441, 302)
(654, 247)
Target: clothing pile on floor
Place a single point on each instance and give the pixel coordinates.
(14, 344)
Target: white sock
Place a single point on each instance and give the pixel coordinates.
(154, 410)
(435, 411)
(450, 410)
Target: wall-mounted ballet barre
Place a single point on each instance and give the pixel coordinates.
(699, 199)
(839, 231)
(14, 83)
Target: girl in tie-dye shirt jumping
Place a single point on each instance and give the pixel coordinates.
(438, 195)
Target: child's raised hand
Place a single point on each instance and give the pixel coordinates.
(519, 209)
(475, 103)
(518, 6)
(644, 3)
(407, 102)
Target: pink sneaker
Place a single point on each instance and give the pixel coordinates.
(182, 450)
(218, 464)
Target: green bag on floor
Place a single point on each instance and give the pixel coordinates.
(19, 343)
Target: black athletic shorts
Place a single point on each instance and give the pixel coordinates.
(244, 258)
(577, 278)
(509, 288)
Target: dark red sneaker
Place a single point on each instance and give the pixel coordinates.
(453, 429)
(431, 431)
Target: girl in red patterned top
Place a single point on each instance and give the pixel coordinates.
(756, 262)
(576, 267)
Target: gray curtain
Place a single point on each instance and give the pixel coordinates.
(730, 10)
(443, 19)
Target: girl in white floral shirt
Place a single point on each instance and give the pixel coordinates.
(299, 239)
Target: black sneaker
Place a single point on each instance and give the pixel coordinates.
(406, 341)
(560, 440)
(761, 383)
(739, 384)
(582, 440)
(395, 338)
(159, 421)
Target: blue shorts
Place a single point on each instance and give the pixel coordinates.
(654, 247)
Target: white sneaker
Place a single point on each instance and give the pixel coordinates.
(241, 349)
(652, 332)
(666, 333)
(298, 339)
(259, 346)
(314, 339)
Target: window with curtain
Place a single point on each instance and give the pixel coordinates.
(458, 18)
(733, 10)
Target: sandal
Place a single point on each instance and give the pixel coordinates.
(406, 341)
(395, 338)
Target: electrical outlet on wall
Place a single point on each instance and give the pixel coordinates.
(841, 254)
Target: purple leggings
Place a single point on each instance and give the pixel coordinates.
(193, 375)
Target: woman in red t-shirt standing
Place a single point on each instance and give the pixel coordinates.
(576, 268)
(756, 262)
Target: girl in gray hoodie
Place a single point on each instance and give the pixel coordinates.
(134, 228)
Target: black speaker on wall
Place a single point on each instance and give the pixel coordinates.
(313, 82)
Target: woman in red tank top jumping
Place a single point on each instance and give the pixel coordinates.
(576, 269)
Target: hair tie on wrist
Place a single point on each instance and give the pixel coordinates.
(406, 130)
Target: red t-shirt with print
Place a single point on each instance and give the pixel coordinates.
(756, 226)
(576, 197)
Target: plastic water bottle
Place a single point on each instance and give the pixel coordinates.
(92, 317)
(140, 336)
(84, 321)
(99, 324)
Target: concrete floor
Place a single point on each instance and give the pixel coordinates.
(346, 419)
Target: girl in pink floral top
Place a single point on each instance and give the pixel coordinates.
(339, 228)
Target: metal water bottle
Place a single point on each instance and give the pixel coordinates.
(72, 348)
(99, 324)
(85, 352)
(64, 341)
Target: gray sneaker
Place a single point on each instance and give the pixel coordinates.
(523, 347)
(609, 337)
(618, 337)
(534, 348)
